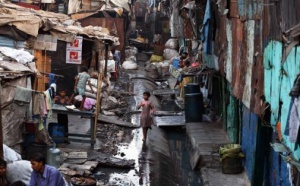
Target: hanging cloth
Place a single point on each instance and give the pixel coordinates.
(294, 121)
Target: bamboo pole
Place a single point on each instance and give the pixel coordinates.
(99, 89)
(1, 130)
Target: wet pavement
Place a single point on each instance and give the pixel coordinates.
(162, 160)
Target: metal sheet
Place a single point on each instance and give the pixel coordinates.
(250, 9)
(169, 121)
(238, 69)
(248, 76)
(228, 64)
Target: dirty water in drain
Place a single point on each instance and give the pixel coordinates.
(162, 160)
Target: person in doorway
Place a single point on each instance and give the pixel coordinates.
(62, 99)
(44, 175)
(3, 180)
(82, 79)
(147, 110)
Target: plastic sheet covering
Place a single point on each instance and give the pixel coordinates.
(12, 114)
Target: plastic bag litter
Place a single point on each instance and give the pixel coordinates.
(132, 51)
(172, 44)
(170, 53)
(156, 58)
(129, 65)
(9, 155)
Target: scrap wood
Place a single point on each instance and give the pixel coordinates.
(75, 161)
(108, 119)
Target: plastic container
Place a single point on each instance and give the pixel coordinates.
(56, 130)
(30, 126)
(176, 63)
(35, 148)
(193, 106)
(231, 158)
(192, 88)
(53, 156)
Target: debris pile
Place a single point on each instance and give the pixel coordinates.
(130, 62)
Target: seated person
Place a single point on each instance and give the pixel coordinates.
(87, 105)
(3, 180)
(44, 175)
(62, 99)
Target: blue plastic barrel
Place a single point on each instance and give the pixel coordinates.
(191, 88)
(193, 106)
(56, 130)
(176, 63)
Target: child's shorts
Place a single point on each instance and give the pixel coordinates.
(80, 91)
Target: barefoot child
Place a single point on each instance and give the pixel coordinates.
(81, 80)
(147, 109)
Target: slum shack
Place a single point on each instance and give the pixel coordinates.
(39, 34)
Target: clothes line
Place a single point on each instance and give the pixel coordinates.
(44, 73)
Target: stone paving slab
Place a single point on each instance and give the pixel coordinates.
(215, 177)
(205, 139)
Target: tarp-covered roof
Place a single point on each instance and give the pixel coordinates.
(15, 63)
(30, 21)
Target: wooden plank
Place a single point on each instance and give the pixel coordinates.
(77, 155)
(108, 119)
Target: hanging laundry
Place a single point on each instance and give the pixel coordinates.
(294, 121)
(38, 104)
(296, 87)
(22, 95)
(51, 78)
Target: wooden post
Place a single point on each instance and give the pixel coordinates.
(106, 58)
(1, 131)
(99, 89)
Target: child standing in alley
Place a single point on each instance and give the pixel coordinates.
(81, 80)
(147, 109)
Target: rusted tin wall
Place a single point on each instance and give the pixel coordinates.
(279, 16)
(238, 47)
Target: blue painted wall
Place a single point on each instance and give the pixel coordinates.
(248, 141)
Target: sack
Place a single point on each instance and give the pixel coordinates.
(9, 155)
(129, 65)
(170, 53)
(19, 171)
(156, 58)
(152, 71)
(172, 44)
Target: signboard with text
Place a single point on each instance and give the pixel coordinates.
(74, 51)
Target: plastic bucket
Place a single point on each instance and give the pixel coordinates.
(35, 148)
(192, 88)
(193, 106)
(56, 130)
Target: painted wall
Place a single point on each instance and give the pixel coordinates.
(279, 78)
(248, 141)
